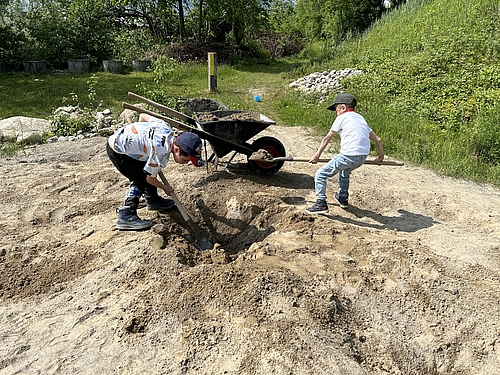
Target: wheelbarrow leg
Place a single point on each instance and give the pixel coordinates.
(230, 159)
(213, 159)
(206, 154)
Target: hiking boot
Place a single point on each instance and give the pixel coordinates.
(320, 207)
(160, 204)
(341, 201)
(128, 220)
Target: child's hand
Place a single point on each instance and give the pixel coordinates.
(314, 158)
(168, 190)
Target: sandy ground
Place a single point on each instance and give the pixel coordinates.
(406, 281)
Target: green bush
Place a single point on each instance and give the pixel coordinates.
(82, 118)
(132, 45)
(485, 142)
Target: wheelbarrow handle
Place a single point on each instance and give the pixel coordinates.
(164, 109)
(172, 122)
(243, 149)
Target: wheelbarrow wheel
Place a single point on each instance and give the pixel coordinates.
(275, 148)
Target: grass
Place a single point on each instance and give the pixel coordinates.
(38, 95)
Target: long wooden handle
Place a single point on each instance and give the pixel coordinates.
(175, 123)
(164, 109)
(384, 162)
(178, 203)
(371, 162)
(241, 148)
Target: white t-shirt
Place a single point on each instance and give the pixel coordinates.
(145, 141)
(354, 133)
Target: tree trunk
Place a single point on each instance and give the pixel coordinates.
(200, 20)
(182, 27)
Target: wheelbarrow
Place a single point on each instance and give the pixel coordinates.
(226, 132)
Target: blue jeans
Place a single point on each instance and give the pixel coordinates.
(341, 164)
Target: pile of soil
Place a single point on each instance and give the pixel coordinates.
(261, 155)
(405, 281)
(229, 116)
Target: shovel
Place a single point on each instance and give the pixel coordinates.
(291, 158)
(200, 244)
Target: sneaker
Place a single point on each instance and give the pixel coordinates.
(320, 207)
(160, 204)
(341, 201)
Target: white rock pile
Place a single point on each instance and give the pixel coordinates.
(101, 121)
(322, 84)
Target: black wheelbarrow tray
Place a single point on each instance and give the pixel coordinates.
(226, 131)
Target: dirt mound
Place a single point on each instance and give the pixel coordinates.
(229, 116)
(406, 281)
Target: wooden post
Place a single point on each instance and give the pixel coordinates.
(212, 71)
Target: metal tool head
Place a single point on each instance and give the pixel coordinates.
(202, 244)
(199, 244)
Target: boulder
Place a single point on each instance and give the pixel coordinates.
(20, 128)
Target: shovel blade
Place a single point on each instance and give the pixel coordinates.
(199, 244)
(202, 244)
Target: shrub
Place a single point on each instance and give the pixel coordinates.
(486, 138)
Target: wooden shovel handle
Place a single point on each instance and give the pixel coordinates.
(370, 162)
(180, 207)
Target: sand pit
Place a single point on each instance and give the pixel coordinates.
(406, 281)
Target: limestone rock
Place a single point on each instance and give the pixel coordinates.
(20, 128)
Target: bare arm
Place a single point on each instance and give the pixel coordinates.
(324, 143)
(380, 147)
(144, 117)
(154, 181)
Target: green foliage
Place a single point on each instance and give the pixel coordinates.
(157, 19)
(333, 20)
(432, 83)
(280, 13)
(485, 138)
(83, 117)
(90, 26)
(163, 69)
(9, 149)
(133, 45)
(11, 43)
(62, 124)
(129, 29)
(58, 30)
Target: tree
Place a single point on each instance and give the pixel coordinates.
(182, 25)
(332, 19)
(230, 20)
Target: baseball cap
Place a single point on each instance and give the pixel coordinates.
(190, 143)
(343, 98)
